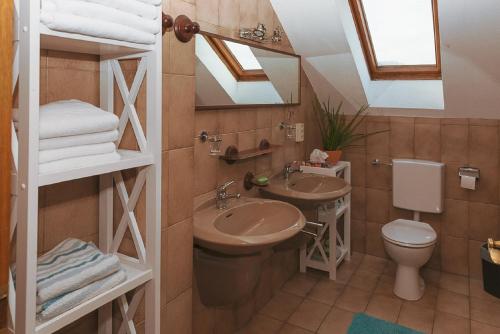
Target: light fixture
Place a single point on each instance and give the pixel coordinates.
(259, 34)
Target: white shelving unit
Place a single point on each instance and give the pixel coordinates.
(143, 272)
(329, 248)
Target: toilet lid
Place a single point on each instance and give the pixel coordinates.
(409, 232)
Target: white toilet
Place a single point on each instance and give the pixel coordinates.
(417, 186)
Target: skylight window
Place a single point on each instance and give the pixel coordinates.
(244, 55)
(400, 39)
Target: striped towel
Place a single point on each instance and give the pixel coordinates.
(63, 303)
(71, 265)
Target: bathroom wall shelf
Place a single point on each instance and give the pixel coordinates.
(129, 159)
(107, 48)
(135, 278)
(143, 271)
(232, 154)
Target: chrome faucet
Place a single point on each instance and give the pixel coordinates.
(222, 196)
(290, 169)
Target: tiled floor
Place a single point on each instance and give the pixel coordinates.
(310, 303)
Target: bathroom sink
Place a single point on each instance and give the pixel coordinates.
(247, 226)
(305, 189)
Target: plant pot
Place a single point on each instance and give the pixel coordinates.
(334, 156)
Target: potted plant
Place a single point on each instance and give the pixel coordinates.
(337, 133)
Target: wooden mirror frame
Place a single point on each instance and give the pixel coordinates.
(235, 69)
(6, 9)
(402, 72)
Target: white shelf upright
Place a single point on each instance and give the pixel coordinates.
(329, 248)
(143, 272)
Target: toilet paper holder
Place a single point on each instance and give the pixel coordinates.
(469, 171)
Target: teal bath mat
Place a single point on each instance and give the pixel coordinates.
(364, 324)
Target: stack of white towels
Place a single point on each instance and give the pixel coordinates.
(72, 273)
(136, 21)
(75, 134)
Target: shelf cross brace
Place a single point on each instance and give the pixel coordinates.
(128, 218)
(129, 98)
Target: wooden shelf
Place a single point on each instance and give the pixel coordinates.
(129, 159)
(247, 154)
(106, 48)
(135, 278)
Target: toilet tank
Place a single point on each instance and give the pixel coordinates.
(418, 185)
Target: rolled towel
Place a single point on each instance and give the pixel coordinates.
(97, 28)
(77, 163)
(72, 265)
(73, 118)
(61, 304)
(75, 152)
(131, 6)
(71, 141)
(100, 12)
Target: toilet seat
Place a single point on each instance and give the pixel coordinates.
(409, 233)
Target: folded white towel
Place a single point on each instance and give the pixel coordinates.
(71, 141)
(73, 118)
(131, 6)
(97, 28)
(75, 152)
(61, 304)
(100, 12)
(76, 163)
(152, 2)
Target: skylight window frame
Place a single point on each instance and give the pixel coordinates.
(232, 63)
(394, 72)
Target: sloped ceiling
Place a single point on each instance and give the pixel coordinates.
(470, 50)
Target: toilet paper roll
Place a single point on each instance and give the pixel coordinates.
(468, 182)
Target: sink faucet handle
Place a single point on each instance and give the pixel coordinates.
(226, 185)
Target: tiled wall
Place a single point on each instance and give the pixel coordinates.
(470, 217)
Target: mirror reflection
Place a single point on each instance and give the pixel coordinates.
(230, 73)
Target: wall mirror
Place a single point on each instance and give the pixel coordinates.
(232, 74)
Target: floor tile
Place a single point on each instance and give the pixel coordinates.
(344, 274)
(326, 291)
(364, 280)
(480, 328)
(485, 311)
(289, 329)
(428, 300)
(281, 306)
(446, 323)
(385, 286)
(353, 299)
(417, 318)
(300, 284)
(336, 322)
(373, 264)
(309, 315)
(262, 325)
(453, 303)
(454, 283)
(477, 290)
(431, 276)
(384, 307)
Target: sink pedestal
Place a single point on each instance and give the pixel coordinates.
(224, 279)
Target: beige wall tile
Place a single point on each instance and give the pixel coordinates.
(181, 111)
(180, 188)
(483, 221)
(177, 317)
(454, 143)
(179, 260)
(377, 206)
(428, 139)
(402, 137)
(454, 255)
